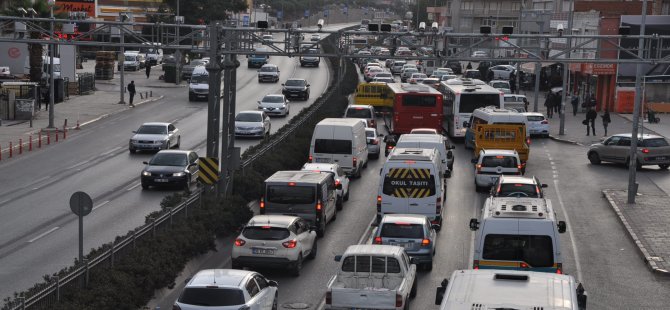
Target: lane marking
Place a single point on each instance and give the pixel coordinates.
(77, 165)
(110, 151)
(3, 202)
(133, 187)
(102, 204)
(43, 234)
(575, 252)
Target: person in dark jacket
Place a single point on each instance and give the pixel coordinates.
(575, 104)
(131, 93)
(606, 120)
(549, 104)
(469, 66)
(489, 76)
(512, 82)
(148, 69)
(591, 116)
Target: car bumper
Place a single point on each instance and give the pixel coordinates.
(146, 147)
(421, 256)
(654, 160)
(199, 95)
(268, 78)
(274, 112)
(373, 150)
(250, 134)
(309, 63)
(163, 181)
(295, 94)
(253, 261)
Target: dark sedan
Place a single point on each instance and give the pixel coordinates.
(170, 168)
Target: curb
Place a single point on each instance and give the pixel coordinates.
(552, 137)
(631, 233)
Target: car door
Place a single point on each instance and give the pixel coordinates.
(329, 193)
(255, 301)
(172, 134)
(607, 148)
(302, 234)
(266, 293)
(193, 165)
(621, 150)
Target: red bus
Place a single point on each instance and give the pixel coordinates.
(415, 106)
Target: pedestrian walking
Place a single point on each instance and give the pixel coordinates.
(558, 102)
(469, 66)
(512, 82)
(525, 103)
(148, 70)
(590, 121)
(606, 120)
(131, 92)
(575, 104)
(549, 104)
(592, 101)
(489, 75)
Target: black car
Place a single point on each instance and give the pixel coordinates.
(310, 60)
(296, 88)
(177, 168)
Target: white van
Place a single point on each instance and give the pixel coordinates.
(342, 141)
(198, 84)
(491, 289)
(133, 60)
(412, 183)
(518, 234)
(45, 67)
(430, 141)
(153, 52)
(492, 115)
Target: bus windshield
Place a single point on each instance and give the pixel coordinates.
(471, 102)
(419, 101)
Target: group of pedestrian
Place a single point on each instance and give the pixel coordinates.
(553, 103)
(591, 115)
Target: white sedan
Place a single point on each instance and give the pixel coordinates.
(338, 174)
(275, 104)
(252, 124)
(537, 124)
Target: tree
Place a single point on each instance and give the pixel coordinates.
(35, 50)
(208, 10)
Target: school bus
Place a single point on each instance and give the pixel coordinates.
(375, 94)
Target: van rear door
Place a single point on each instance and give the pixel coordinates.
(291, 199)
(409, 189)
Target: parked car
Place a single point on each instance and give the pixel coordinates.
(296, 88)
(651, 150)
(228, 289)
(268, 73)
(170, 168)
(373, 142)
(154, 136)
(338, 174)
(274, 104)
(413, 232)
(278, 241)
(252, 124)
(537, 123)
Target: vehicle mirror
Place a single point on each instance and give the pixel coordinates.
(338, 186)
(273, 283)
(374, 224)
(338, 258)
(282, 84)
(134, 131)
(307, 85)
(247, 56)
(187, 279)
(435, 226)
(144, 162)
(474, 160)
(439, 292)
(581, 297)
(545, 185)
(413, 260)
(474, 224)
(258, 102)
(447, 174)
(561, 227)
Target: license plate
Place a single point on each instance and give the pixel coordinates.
(161, 180)
(323, 160)
(661, 158)
(263, 251)
(401, 244)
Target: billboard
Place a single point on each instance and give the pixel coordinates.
(87, 6)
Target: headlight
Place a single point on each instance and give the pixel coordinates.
(178, 174)
(282, 108)
(146, 173)
(133, 141)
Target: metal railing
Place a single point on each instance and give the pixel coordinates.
(86, 83)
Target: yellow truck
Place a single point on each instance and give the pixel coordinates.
(502, 137)
(374, 94)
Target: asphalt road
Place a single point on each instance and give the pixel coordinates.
(41, 233)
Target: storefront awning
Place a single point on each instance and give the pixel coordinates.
(529, 67)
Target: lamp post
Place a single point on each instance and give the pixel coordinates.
(52, 49)
(566, 72)
(122, 59)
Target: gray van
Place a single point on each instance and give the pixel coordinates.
(306, 194)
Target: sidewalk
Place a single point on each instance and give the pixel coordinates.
(646, 222)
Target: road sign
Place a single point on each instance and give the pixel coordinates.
(245, 21)
(280, 14)
(306, 13)
(81, 204)
(209, 170)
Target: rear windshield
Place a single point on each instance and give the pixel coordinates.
(330, 146)
(265, 233)
(409, 183)
(290, 194)
(212, 297)
(409, 231)
(471, 102)
(537, 251)
(419, 101)
(657, 142)
(535, 118)
(376, 264)
(518, 190)
(502, 161)
(359, 113)
(249, 117)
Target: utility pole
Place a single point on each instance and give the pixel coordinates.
(538, 67)
(566, 71)
(122, 59)
(52, 50)
(228, 119)
(178, 21)
(632, 162)
(214, 108)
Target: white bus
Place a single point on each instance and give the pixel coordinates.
(461, 97)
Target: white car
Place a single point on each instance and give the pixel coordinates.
(537, 124)
(268, 72)
(279, 241)
(502, 72)
(252, 124)
(374, 144)
(448, 77)
(417, 78)
(228, 289)
(501, 85)
(338, 174)
(275, 104)
(492, 163)
(479, 54)
(155, 136)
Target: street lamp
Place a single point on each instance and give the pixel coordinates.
(52, 50)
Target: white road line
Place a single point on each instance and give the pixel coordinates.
(133, 187)
(110, 151)
(575, 252)
(77, 165)
(102, 204)
(43, 234)
(471, 257)
(40, 180)
(6, 200)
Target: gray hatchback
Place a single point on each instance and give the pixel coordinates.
(412, 232)
(652, 150)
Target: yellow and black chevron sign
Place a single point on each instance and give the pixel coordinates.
(209, 170)
(410, 182)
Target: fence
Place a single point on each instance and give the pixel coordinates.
(86, 83)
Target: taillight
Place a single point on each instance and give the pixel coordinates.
(475, 264)
(398, 300)
(290, 244)
(524, 265)
(479, 167)
(390, 147)
(379, 204)
(310, 158)
(239, 242)
(378, 240)
(528, 141)
(519, 166)
(318, 205)
(353, 161)
(425, 242)
(329, 298)
(375, 142)
(645, 151)
(559, 269)
(262, 205)
(337, 182)
(544, 122)
(396, 118)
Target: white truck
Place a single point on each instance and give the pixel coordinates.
(372, 276)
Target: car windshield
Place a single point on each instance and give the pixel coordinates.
(295, 83)
(359, 113)
(169, 159)
(268, 69)
(502, 161)
(211, 297)
(200, 78)
(249, 117)
(332, 146)
(401, 230)
(655, 142)
(369, 133)
(265, 233)
(518, 190)
(131, 57)
(152, 130)
(500, 85)
(273, 99)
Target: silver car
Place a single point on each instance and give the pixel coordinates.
(275, 104)
(154, 136)
(413, 232)
(651, 150)
(252, 124)
(373, 142)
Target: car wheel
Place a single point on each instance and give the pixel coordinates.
(132, 151)
(339, 203)
(144, 186)
(358, 173)
(274, 302)
(334, 215)
(594, 158)
(412, 293)
(428, 266)
(321, 231)
(191, 97)
(312, 253)
(235, 265)
(178, 142)
(637, 167)
(664, 166)
(259, 81)
(168, 146)
(297, 266)
(365, 165)
(346, 196)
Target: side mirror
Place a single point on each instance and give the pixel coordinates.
(474, 224)
(134, 131)
(312, 228)
(435, 227)
(447, 174)
(187, 280)
(545, 185)
(562, 227)
(338, 258)
(466, 124)
(338, 186)
(439, 292)
(272, 283)
(282, 84)
(374, 224)
(258, 102)
(144, 162)
(582, 296)
(474, 160)
(413, 260)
